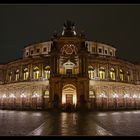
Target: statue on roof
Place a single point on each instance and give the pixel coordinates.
(69, 28)
(69, 25)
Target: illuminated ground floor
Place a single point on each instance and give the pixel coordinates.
(41, 95)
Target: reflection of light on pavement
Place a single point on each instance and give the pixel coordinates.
(74, 119)
(92, 128)
(115, 113)
(64, 124)
(127, 112)
(136, 112)
(24, 113)
(38, 131)
(37, 114)
(101, 131)
(68, 123)
(102, 114)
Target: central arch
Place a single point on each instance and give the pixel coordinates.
(69, 95)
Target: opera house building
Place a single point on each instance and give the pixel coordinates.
(69, 70)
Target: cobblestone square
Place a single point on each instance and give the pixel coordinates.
(43, 123)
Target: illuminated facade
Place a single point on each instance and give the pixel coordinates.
(69, 69)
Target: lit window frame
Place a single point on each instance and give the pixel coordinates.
(25, 74)
(121, 75)
(112, 74)
(17, 75)
(47, 72)
(102, 73)
(36, 72)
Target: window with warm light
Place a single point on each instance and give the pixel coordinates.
(91, 72)
(17, 75)
(36, 73)
(102, 73)
(46, 95)
(128, 76)
(69, 67)
(91, 94)
(10, 76)
(47, 72)
(121, 75)
(25, 74)
(112, 74)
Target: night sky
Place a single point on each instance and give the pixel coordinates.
(21, 25)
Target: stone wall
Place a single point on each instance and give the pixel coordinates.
(114, 95)
(24, 95)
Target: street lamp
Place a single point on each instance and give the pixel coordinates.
(4, 96)
(138, 101)
(3, 100)
(125, 97)
(13, 97)
(115, 96)
(36, 96)
(0, 102)
(134, 97)
(102, 96)
(22, 96)
(92, 99)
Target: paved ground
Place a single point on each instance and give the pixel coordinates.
(33, 123)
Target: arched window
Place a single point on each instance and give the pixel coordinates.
(36, 73)
(121, 75)
(128, 76)
(91, 72)
(112, 74)
(69, 67)
(25, 74)
(91, 94)
(10, 76)
(46, 94)
(17, 75)
(47, 72)
(102, 73)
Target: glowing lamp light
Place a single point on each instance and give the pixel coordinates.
(91, 96)
(134, 96)
(23, 96)
(12, 96)
(4, 96)
(63, 99)
(126, 96)
(35, 96)
(115, 96)
(103, 95)
(74, 99)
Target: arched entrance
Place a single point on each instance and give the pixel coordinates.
(69, 96)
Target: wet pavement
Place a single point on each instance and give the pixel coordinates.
(43, 123)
